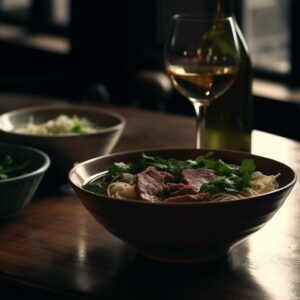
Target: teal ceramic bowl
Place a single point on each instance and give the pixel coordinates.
(18, 190)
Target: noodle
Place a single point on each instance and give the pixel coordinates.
(261, 184)
(121, 190)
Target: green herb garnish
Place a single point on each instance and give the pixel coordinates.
(116, 170)
(97, 188)
(171, 165)
(9, 168)
(77, 128)
(229, 177)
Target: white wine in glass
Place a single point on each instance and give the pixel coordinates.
(202, 59)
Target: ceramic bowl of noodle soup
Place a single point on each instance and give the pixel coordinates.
(182, 205)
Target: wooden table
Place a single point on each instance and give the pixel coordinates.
(54, 249)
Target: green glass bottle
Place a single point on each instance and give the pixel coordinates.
(229, 117)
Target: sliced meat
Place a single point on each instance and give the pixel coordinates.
(176, 189)
(197, 177)
(189, 198)
(150, 184)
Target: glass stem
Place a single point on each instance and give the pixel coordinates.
(200, 124)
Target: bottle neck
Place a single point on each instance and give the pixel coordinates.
(221, 8)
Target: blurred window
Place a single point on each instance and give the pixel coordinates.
(61, 12)
(10, 5)
(266, 29)
(50, 16)
(15, 11)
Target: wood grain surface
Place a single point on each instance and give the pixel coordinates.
(54, 249)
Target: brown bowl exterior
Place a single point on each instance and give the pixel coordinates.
(183, 232)
(65, 150)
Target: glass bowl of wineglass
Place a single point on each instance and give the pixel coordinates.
(202, 58)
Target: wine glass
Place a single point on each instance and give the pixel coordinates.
(202, 58)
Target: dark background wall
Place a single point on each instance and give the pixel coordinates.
(102, 52)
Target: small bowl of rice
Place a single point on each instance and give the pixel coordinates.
(182, 205)
(67, 133)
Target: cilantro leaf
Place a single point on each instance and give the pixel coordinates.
(77, 128)
(229, 177)
(97, 188)
(171, 165)
(230, 184)
(247, 166)
(10, 168)
(116, 170)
